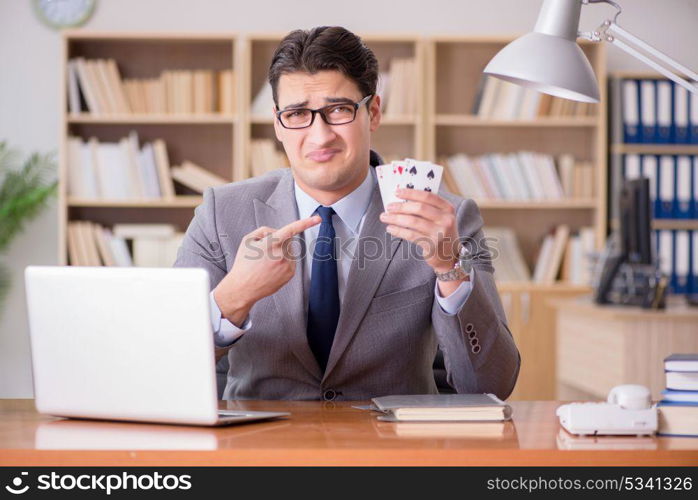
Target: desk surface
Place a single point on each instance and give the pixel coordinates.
(324, 434)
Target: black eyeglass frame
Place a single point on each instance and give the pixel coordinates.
(321, 110)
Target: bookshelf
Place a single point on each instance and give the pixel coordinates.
(448, 72)
(209, 139)
(454, 71)
(646, 150)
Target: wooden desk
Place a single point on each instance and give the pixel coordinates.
(323, 434)
(599, 347)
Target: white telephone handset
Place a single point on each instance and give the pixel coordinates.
(628, 410)
(630, 397)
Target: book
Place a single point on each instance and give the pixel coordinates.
(682, 381)
(443, 407)
(195, 177)
(681, 362)
(102, 240)
(163, 169)
(677, 419)
(74, 104)
(680, 396)
(562, 233)
(265, 156)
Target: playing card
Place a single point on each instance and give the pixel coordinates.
(390, 177)
(408, 173)
(425, 176)
(385, 183)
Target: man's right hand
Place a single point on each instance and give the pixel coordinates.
(263, 265)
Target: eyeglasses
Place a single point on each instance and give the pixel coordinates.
(334, 114)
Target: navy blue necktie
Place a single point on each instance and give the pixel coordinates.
(323, 299)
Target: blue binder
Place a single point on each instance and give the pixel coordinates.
(666, 181)
(665, 112)
(693, 118)
(630, 91)
(682, 257)
(683, 203)
(681, 101)
(649, 169)
(648, 111)
(694, 192)
(666, 255)
(694, 262)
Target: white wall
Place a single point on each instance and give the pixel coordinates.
(30, 69)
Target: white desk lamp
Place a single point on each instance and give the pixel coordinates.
(549, 60)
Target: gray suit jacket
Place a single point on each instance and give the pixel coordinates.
(390, 322)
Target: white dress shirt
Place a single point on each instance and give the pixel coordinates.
(347, 221)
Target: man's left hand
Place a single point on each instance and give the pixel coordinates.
(429, 221)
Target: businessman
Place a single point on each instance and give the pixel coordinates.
(317, 292)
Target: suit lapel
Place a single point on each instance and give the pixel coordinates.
(363, 283)
(279, 210)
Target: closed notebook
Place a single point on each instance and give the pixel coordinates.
(443, 407)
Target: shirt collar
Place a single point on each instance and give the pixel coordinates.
(350, 209)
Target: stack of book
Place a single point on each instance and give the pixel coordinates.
(566, 255)
(90, 244)
(177, 91)
(400, 87)
(265, 156)
(126, 171)
(519, 176)
(501, 100)
(153, 245)
(678, 409)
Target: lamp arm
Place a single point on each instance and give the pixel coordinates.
(610, 32)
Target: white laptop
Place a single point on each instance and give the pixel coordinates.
(125, 344)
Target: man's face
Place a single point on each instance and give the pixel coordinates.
(326, 158)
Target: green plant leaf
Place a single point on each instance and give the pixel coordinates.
(24, 191)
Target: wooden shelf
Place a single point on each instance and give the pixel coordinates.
(678, 224)
(537, 205)
(475, 121)
(185, 119)
(688, 224)
(182, 201)
(655, 149)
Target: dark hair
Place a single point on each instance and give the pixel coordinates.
(325, 48)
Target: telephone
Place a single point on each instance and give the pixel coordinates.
(628, 410)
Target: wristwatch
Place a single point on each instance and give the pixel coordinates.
(461, 269)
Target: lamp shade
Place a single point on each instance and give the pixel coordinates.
(549, 59)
